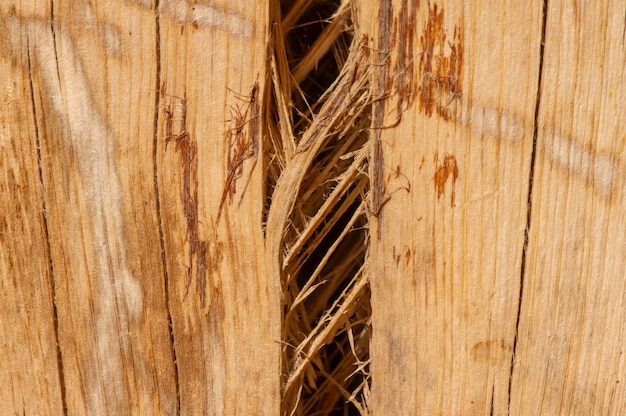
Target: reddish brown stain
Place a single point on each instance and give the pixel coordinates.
(199, 257)
(440, 66)
(242, 144)
(175, 116)
(404, 183)
(446, 169)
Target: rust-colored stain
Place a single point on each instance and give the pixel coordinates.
(175, 116)
(446, 169)
(175, 131)
(407, 255)
(440, 66)
(242, 144)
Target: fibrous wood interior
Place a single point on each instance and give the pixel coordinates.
(317, 114)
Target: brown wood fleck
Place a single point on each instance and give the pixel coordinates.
(446, 169)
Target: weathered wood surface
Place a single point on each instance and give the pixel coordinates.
(449, 254)
(109, 217)
(30, 379)
(571, 340)
(453, 257)
(224, 306)
(133, 275)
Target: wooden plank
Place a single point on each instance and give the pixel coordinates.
(132, 196)
(30, 380)
(225, 306)
(446, 245)
(570, 355)
(89, 64)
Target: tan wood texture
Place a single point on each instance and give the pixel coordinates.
(86, 67)
(454, 176)
(224, 305)
(30, 375)
(570, 354)
(92, 191)
(138, 273)
(451, 252)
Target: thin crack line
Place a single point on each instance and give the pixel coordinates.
(155, 143)
(529, 203)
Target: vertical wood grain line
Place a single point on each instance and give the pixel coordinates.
(48, 253)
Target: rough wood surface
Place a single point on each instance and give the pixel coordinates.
(570, 353)
(87, 225)
(136, 276)
(455, 175)
(224, 305)
(86, 66)
(451, 254)
(30, 376)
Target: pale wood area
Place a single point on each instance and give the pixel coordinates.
(137, 274)
(571, 342)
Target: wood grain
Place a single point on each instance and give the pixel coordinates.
(224, 305)
(88, 65)
(135, 271)
(445, 270)
(30, 374)
(570, 355)
(94, 187)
